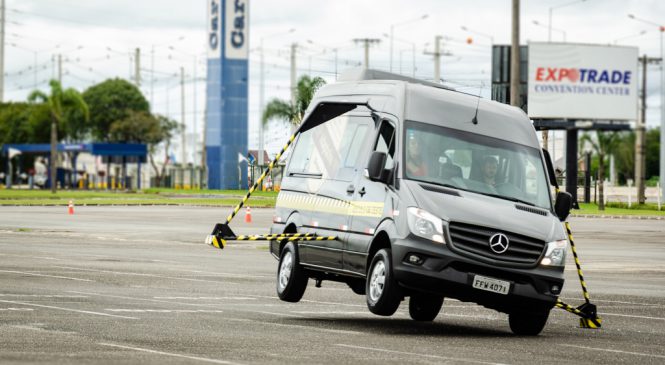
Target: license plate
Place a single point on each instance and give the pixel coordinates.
(489, 284)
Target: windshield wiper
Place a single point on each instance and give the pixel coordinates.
(508, 198)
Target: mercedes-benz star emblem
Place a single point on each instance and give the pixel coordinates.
(499, 243)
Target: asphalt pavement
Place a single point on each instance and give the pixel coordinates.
(137, 284)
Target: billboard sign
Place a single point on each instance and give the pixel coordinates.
(227, 92)
(236, 36)
(580, 81)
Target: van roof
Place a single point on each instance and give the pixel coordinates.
(423, 101)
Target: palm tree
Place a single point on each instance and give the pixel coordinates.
(293, 113)
(604, 144)
(57, 101)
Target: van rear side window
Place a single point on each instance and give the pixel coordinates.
(328, 149)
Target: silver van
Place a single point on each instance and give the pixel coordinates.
(431, 193)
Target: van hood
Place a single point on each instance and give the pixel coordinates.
(473, 208)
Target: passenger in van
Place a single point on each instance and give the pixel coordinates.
(415, 164)
(490, 166)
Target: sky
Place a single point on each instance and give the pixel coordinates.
(97, 40)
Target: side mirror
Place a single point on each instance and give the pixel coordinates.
(563, 204)
(377, 162)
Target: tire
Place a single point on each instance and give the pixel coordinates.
(382, 293)
(527, 324)
(425, 307)
(291, 277)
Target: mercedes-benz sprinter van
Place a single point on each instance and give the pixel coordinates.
(431, 193)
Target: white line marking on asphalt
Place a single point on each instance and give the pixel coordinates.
(280, 314)
(620, 302)
(43, 296)
(414, 354)
(67, 309)
(163, 310)
(17, 309)
(207, 298)
(311, 328)
(204, 359)
(45, 275)
(145, 299)
(630, 316)
(143, 274)
(222, 274)
(309, 301)
(616, 351)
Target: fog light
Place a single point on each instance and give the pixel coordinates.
(415, 259)
(555, 289)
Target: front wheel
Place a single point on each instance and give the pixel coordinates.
(382, 293)
(425, 307)
(291, 278)
(527, 324)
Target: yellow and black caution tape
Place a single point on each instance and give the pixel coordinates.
(220, 242)
(258, 182)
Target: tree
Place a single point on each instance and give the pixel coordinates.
(604, 144)
(57, 102)
(143, 127)
(111, 101)
(14, 127)
(653, 153)
(293, 114)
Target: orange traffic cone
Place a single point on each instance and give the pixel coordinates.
(248, 215)
(70, 208)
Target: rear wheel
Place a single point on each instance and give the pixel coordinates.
(527, 324)
(291, 278)
(425, 307)
(382, 293)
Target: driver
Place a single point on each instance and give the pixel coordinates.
(490, 166)
(415, 166)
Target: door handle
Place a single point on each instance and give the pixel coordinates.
(362, 191)
(350, 189)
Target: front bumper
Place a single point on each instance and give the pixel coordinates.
(451, 274)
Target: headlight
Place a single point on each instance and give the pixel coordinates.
(555, 254)
(425, 224)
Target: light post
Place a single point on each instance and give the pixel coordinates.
(551, 9)
(661, 28)
(616, 41)
(550, 29)
(392, 34)
(413, 52)
(262, 92)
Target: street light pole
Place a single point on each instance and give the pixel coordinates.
(392, 34)
(661, 28)
(262, 94)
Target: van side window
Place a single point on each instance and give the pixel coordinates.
(386, 143)
(301, 157)
(332, 149)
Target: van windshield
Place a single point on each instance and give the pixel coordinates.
(476, 163)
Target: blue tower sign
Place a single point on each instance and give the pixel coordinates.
(227, 88)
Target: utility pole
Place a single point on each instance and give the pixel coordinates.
(262, 87)
(437, 59)
(195, 118)
(367, 42)
(640, 149)
(640, 135)
(152, 77)
(60, 69)
(2, 50)
(294, 49)
(137, 67)
(182, 111)
(515, 55)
